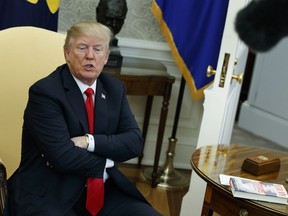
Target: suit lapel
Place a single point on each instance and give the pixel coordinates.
(101, 109)
(75, 98)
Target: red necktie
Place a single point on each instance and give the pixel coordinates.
(90, 109)
(95, 186)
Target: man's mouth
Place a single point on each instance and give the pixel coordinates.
(88, 67)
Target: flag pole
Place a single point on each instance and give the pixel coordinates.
(167, 176)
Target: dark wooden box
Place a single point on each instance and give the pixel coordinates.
(261, 164)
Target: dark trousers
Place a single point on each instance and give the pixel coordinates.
(116, 203)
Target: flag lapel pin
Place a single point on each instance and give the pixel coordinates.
(103, 96)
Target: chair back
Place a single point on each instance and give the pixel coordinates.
(26, 55)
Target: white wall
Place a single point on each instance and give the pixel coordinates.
(265, 113)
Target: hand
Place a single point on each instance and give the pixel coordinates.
(80, 141)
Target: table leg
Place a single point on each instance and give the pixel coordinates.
(206, 210)
(161, 130)
(145, 124)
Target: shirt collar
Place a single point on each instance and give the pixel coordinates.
(83, 86)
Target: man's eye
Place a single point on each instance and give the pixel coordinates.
(82, 48)
(98, 49)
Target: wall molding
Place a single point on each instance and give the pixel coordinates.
(145, 49)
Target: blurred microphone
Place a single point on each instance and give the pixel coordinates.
(262, 24)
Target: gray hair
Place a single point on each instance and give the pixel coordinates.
(88, 28)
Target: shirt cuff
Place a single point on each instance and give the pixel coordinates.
(109, 163)
(91, 143)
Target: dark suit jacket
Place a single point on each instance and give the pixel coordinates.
(53, 172)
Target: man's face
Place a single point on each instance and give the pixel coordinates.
(86, 57)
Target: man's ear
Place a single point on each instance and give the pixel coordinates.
(262, 24)
(66, 54)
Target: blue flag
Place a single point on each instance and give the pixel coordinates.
(38, 13)
(193, 30)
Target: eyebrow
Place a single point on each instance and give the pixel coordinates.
(85, 44)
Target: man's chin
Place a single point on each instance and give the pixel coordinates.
(89, 78)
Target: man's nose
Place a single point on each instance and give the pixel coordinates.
(90, 52)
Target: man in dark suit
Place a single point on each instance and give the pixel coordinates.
(59, 153)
